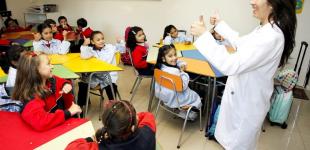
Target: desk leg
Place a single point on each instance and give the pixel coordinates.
(152, 92)
(212, 103)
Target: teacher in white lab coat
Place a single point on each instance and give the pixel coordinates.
(250, 69)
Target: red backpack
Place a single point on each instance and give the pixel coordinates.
(125, 58)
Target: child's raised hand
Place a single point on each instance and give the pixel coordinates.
(74, 109)
(118, 39)
(66, 89)
(86, 41)
(36, 36)
(198, 27)
(215, 18)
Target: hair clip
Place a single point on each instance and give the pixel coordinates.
(134, 32)
(32, 54)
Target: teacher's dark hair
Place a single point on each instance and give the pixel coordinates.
(283, 15)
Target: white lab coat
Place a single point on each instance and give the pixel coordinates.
(250, 71)
(10, 82)
(56, 46)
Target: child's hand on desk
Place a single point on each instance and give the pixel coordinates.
(86, 41)
(182, 67)
(74, 109)
(36, 36)
(66, 89)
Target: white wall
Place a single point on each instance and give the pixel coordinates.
(113, 16)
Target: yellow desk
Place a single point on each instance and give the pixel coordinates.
(61, 59)
(82, 131)
(179, 46)
(3, 76)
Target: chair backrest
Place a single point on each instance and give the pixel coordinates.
(130, 56)
(167, 80)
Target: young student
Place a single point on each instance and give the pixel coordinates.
(63, 24)
(47, 98)
(171, 36)
(56, 35)
(82, 29)
(44, 41)
(13, 55)
(167, 61)
(122, 129)
(95, 46)
(12, 26)
(136, 43)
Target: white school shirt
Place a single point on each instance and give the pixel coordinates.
(181, 38)
(249, 86)
(56, 46)
(10, 82)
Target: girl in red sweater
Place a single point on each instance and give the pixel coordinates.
(136, 43)
(47, 99)
(122, 129)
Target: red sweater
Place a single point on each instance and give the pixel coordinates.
(139, 55)
(87, 32)
(44, 114)
(60, 29)
(58, 36)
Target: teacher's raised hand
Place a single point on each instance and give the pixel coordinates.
(198, 27)
(215, 18)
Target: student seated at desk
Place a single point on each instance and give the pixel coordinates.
(82, 29)
(13, 56)
(12, 26)
(56, 35)
(136, 42)
(167, 61)
(48, 100)
(171, 36)
(122, 129)
(44, 41)
(95, 47)
(63, 24)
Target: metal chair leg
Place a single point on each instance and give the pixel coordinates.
(134, 85)
(157, 108)
(100, 104)
(135, 89)
(184, 125)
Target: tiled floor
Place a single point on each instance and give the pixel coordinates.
(295, 137)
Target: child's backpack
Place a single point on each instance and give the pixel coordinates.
(282, 98)
(125, 58)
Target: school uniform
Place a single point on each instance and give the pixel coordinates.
(46, 113)
(142, 139)
(52, 47)
(61, 29)
(87, 31)
(139, 55)
(10, 82)
(180, 39)
(106, 54)
(249, 86)
(186, 97)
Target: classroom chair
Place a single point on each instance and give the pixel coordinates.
(138, 80)
(174, 83)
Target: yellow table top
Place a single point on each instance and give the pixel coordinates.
(79, 65)
(61, 59)
(180, 46)
(3, 76)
